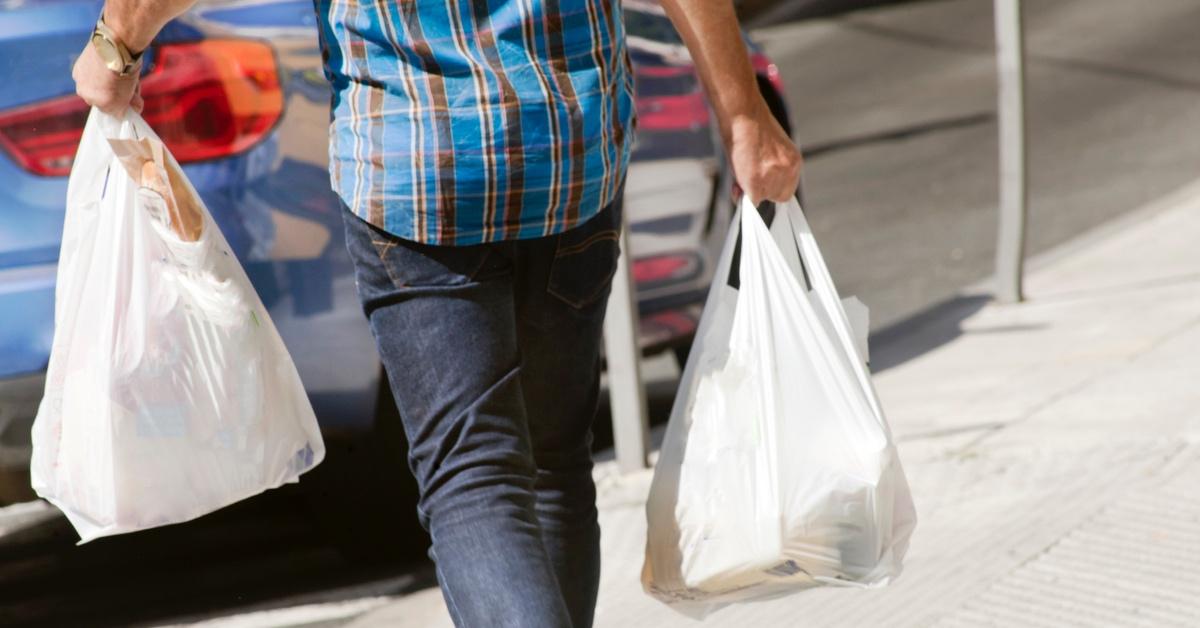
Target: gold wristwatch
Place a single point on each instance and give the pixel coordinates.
(116, 56)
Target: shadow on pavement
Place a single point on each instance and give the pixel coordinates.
(923, 332)
(261, 553)
(812, 151)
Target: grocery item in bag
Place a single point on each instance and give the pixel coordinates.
(777, 471)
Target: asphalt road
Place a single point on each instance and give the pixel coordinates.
(896, 110)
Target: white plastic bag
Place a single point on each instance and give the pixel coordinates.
(169, 392)
(777, 471)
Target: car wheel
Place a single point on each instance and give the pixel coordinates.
(14, 486)
(363, 495)
(775, 104)
(682, 351)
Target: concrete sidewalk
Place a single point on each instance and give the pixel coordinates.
(1051, 447)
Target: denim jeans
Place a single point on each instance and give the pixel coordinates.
(493, 355)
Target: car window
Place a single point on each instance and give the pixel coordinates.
(651, 26)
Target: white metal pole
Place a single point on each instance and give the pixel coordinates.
(627, 395)
(1014, 195)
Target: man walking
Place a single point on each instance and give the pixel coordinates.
(480, 148)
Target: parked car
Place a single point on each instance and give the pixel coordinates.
(236, 91)
(678, 187)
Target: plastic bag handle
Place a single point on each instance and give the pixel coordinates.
(823, 286)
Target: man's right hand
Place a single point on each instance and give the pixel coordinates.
(101, 87)
(135, 23)
(766, 163)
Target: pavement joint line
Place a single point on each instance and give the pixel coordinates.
(1105, 292)
(1082, 384)
(949, 431)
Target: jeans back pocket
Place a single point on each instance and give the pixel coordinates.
(585, 259)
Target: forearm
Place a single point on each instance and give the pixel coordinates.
(710, 30)
(765, 162)
(137, 22)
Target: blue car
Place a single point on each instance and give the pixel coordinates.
(236, 91)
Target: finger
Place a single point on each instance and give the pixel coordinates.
(754, 194)
(112, 104)
(783, 193)
(108, 105)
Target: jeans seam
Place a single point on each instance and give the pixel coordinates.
(381, 249)
(386, 246)
(580, 304)
(607, 234)
(575, 249)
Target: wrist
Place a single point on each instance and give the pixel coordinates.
(122, 30)
(747, 118)
(112, 51)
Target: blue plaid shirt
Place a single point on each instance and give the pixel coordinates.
(457, 122)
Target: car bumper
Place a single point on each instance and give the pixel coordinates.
(26, 318)
(669, 328)
(19, 398)
(26, 333)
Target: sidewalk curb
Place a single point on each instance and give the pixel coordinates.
(1099, 233)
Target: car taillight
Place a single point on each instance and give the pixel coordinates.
(763, 66)
(653, 270)
(206, 99)
(212, 98)
(42, 138)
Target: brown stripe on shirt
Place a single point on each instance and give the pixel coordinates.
(443, 146)
(514, 155)
(574, 140)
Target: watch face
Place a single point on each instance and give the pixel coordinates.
(108, 53)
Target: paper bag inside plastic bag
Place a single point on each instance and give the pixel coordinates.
(143, 162)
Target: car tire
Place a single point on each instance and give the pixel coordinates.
(14, 486)
(682, 351)
(775, 103)
(363, 495)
